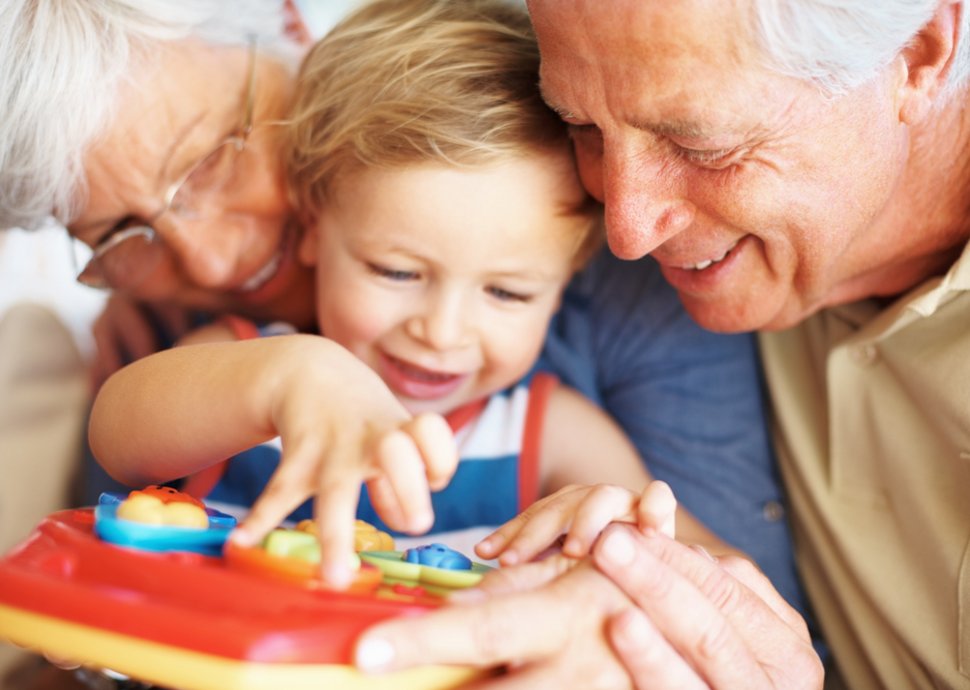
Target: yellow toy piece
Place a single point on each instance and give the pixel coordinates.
(150, 510)
(366, 536)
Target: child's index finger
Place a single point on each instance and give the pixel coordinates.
(335, 510)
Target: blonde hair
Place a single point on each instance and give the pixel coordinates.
(403, 82)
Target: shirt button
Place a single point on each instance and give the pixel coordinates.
(865, 355)
(773, 511)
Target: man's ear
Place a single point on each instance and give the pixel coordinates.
(306, 252)
(927, 61)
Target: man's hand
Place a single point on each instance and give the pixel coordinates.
(685, 621)
(545, 620)
(702, 622)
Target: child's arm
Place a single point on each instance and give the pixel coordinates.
(176, 412)
(600, 478)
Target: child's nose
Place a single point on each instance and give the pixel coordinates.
(443, 326)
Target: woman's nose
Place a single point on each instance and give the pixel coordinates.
(205, 249)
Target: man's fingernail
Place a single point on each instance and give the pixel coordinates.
(617, 548)
(373, 654)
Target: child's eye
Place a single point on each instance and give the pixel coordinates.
(504, 295)
(392, 274)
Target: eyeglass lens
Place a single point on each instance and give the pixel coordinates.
(125, 263)
(208, 180)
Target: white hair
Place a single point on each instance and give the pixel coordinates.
(841, 44)
(61, 63)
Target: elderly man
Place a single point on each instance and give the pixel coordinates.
(169, 172)
(802, 170)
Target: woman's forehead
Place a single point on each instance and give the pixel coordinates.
(176, 103)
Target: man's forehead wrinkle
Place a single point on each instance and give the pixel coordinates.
(646, 68)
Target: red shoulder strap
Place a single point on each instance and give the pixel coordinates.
(242, 329)
(459, 417)
(539, 390)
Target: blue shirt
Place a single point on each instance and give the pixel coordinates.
(691, 401)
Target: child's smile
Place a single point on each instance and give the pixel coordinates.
(443, 279)
(410, 381)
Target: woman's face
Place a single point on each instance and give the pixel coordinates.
(233, 248)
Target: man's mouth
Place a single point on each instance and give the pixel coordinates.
(706, 263)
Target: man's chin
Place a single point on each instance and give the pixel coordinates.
(726, 316)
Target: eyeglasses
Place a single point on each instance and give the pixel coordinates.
(131, 253)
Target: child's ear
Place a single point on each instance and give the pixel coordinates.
(926, 62)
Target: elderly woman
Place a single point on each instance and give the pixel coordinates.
(149, 130)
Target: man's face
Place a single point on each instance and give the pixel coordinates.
(234, 251)
(761, 199)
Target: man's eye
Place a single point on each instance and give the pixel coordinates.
(392, 274)
(504, 295)
(717, 159)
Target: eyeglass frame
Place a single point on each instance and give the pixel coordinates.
(237, 139)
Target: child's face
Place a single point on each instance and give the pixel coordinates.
(443, 280)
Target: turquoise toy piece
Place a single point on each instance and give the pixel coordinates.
(207, 542)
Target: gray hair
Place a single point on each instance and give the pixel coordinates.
(61, 63)
(841, 44)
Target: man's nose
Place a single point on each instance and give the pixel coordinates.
(644, 195)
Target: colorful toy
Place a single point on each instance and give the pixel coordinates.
(161, 604)
(293, 556)
(366, 536)
(438, 556)
(115, 528)
(163, 505)
(435, 567)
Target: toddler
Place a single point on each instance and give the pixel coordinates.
(444, 216)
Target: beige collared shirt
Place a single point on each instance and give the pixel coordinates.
(872, 428)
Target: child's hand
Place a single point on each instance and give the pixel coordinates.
(340, 426)
(581, 513)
